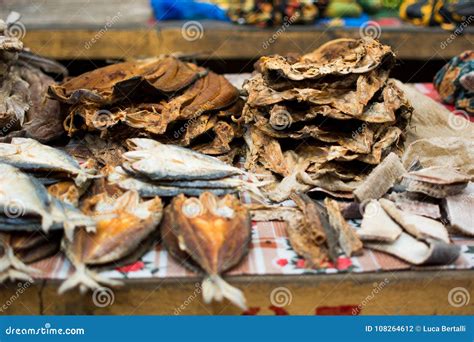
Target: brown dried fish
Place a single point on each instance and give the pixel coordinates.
(34, 246)
(209, 234)
(348, 240)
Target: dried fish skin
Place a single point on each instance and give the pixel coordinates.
(381, 179)
(459, 212)
(109, 84)
(338, 57)
(416, 252)
(377, 225)
(215, 233)
(438, 182)
(348, 240)
(169, 162)
(30, 155)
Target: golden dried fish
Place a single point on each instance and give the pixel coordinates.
(348, 240)
(213, 234)
(122, 225)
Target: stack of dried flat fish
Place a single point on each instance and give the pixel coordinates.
(332, 115)
(24, 110)
(162, 97)
(156, 169)
(210, 235)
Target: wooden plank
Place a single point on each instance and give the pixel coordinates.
(121, 29)
(397, 293)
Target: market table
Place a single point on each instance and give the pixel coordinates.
(272, 277)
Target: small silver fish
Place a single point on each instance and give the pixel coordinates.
(30, 155)
(22, 196)
(158, 161)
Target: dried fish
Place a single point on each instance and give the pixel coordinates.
(348, 240)
(169, 162)
(381, 179)
(416, 252)
(11, 267)
(122, 225)
(34, 246)
(438, 182)
(30, 155)
(377, 225)
(22, 196)
(209, 234)
(419, 226)
(459, 211)
(416, 204)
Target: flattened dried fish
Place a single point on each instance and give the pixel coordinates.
(460, 213)
(122, 225)
(381, 179)
(214, 233)
(416, 252)
(377, 225)
(348, 240)
(437, 182)
(30, 155)
(419, 226)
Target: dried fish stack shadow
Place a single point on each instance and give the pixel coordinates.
(162, 98)
(331, 115)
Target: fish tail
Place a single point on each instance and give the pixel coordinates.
(216, 288)
(85, 279)
(13, 268)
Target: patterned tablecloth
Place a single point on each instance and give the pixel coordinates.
(270, 254)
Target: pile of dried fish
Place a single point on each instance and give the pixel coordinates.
(209, 235)
(163, 98)
(329, 116)
(156, 169)
(24, 110)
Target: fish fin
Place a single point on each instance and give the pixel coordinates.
(86, 279)
(18, 265)
(69, 228)
(216, 288)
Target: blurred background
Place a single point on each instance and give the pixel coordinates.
(228, 36)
